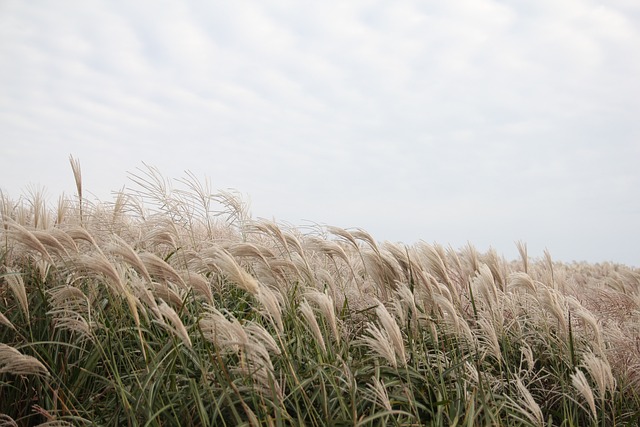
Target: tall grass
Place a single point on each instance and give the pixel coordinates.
(174, 307)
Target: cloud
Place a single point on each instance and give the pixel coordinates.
(461, 118)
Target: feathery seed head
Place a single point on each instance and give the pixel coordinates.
(16, 363)
(16, 284)
(379, 391)
(379, 341)
(600, 371)
(327, 307)
(6, 322)
(178, 327)
(579, 381)
(227, 264)
(271, 305)
(312, 323)
(529, 407)
(392, 331)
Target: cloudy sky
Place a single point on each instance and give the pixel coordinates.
(461, 121)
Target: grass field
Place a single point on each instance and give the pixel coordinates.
(171, 306)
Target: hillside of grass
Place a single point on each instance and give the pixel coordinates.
(170, 305)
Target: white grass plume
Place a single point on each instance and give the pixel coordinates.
(486, 287)
(271, 305)
(489, 337)
(159, 268)
(98, 263)
(526, 405)
(16, 284)
(519, 280)
(327, 307)
(200, 285)
(77, 175)
(177, 327)
(600, 372)
(552, 301)
(48, 239)
(251, 342)
(21, 235)
(6, 322)
(579, 381)
(71, 310)
(16, 363)
(312, 323)
(80, 233)
(393, 330)
(7, 421)
(223, 260)
(379, 391)
(378, 340)
(524, 255)
(224, 333)
(124, 250)
(588, 318)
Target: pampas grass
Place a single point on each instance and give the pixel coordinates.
(172, 306)
(15, 363)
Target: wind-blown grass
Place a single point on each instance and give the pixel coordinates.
(175, 307)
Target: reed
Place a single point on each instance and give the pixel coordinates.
(172, 306)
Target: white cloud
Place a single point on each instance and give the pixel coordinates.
(469, 118)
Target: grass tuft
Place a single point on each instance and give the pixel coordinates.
(172, 306)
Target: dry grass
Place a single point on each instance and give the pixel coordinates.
(172, 306)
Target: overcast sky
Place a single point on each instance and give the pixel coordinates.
(452, 122)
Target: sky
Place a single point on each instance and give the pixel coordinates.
(466, 121)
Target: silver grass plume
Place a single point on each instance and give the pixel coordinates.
(522, 281)
(80, 233)
(588, 318)
(436, 260)
(386, 341)
(7, 421)
(123, 249)
(200, 285)
(49, 240)
(251, 342)
(393, 330)
(21, 235)
(71, 310)
(490, 337)
(6, 322)
(329, 248)
(145, 295)
(379, 341)
(228, 265)
(98, 263)
(522, 250)
(599, 370)
(526, 355)
(177, 327)
(65, 240)
(552, 301)
(579, 381)
(16, 363)
(168, 293)
(327, 307)
(77, 175)
(485, 284)
(312, 323)
(379, 391)
(271, 305)
(251, 250)
(159, 268)
(16, 284)
(526, 405)
(224, 333)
